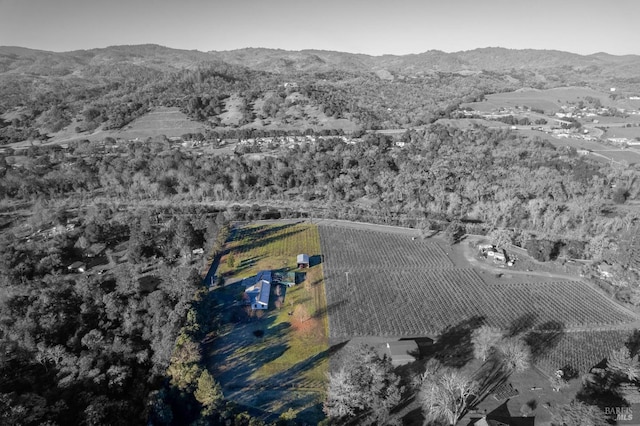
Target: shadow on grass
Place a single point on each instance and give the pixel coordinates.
(244, 265)
(524, 322)
(633, 342)
(544, 338)
(453, 347)
(262, 235)
(328, 309)
(316, 259)
(237, 359)
(312, 414)
(489, 376)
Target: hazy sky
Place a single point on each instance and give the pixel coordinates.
(362, 26)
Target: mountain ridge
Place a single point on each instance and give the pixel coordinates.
(317, 60)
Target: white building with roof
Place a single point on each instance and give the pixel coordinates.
(258, 294)
(302, 260)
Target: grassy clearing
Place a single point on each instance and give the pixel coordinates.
(276, 359)
(623, 132)
(549, 100)
(259, 247)
(160, 121)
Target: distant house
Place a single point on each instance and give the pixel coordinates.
(402, 352)
(77, 266)
(499, 257)
(258, 293)
(605, 270)
(303, 261)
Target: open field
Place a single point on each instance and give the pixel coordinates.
(549, 100)
(268, 246)
(623, 132)
(600, 150)
(271, 360)
(414, 289)
(631, 157)
(161, 121)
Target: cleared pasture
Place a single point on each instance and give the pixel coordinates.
(162, 121)
(387, 295)
(601, 151)
(549, 100)
(631, 157)
(623, 132)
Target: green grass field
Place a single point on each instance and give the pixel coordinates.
(276, 359)
(549, 100)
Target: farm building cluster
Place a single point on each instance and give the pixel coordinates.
(500, 256)
(258, 288)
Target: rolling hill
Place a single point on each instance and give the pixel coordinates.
(43, 93)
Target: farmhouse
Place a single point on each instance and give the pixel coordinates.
(303, 261)
(258, 293)
(402, 352)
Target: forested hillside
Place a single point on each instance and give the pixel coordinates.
(106, 339)
(42, 93)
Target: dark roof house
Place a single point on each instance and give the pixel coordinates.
(402, 352)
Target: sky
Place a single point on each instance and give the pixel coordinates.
(373, 27)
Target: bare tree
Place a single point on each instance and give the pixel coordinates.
(621, 362)
(445, 397)
(515, 353)
(365, 386)
(484, 339)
